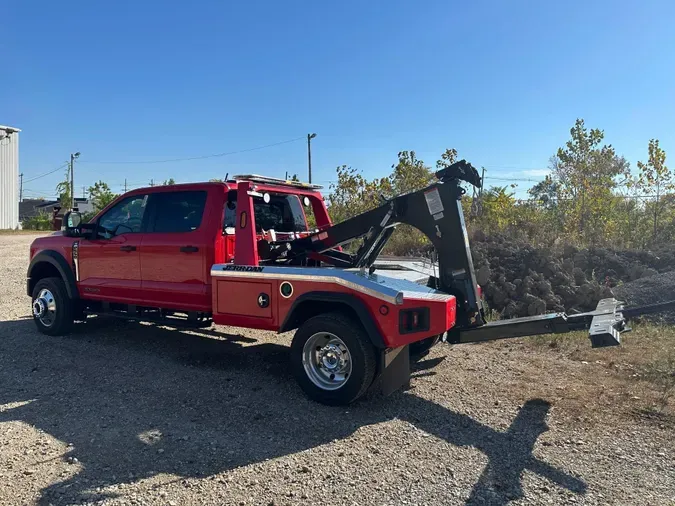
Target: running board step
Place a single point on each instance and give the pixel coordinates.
(161, 317)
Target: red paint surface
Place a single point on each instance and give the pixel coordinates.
(181, 280)
(107, 272)
(246, 245)
(240, 298)
(442, 313)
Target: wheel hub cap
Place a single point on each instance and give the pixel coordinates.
(39, 308)
(44, 307)
(332, 357)
(327, 361)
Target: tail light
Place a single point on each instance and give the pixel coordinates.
(413, 320)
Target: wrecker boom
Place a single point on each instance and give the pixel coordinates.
(437, 212)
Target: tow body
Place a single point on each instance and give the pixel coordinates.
(264, 297)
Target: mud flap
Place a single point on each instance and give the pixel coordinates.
(394, 369)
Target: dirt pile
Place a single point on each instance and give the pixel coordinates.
(650, 290)
(519, 279)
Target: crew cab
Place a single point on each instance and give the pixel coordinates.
(240, 253)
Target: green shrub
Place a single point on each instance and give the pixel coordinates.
(42, 221)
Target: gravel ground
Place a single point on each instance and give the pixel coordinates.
(120, 413)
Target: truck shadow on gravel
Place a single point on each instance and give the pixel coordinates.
(134, 401)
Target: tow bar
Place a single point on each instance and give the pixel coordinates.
(605, 324)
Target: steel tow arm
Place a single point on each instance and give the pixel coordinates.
(605, 324)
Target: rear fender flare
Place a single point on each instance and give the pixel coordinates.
(295, 316)
(56, 260)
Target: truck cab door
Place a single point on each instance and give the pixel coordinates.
(109, 266)
(175, 248)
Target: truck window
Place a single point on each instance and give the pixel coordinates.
(178, 211)
(283, 213)
(123, 218)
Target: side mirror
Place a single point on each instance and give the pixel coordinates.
(72, 221)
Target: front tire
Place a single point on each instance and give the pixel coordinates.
(52, 308)
(332, 359)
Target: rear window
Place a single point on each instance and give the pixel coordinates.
(283, 213)
(178, 211)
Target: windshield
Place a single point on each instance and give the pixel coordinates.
(283, 213)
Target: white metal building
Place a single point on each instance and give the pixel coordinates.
(9, 177)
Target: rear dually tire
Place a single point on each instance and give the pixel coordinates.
(332, 359)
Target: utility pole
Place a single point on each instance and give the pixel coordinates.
(482, 183)
(73, 157)
(152, 182)
(477, 210)
(21, 187)
(125, 185)
(309, 154)
(84, 196)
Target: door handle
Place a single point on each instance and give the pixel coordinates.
(189, 249)
(127, 248)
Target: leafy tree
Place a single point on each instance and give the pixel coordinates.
(409, 174)
(352, 194)
(101, 195)
(499, 206)
(448, 157)
(168, 182)
(545, 192)
(590, 197)
(585, 173)
(63, 190)
(655, 179)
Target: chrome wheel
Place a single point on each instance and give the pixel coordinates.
(44, 307)
(326, 360)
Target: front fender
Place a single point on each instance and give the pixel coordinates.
(56, 261)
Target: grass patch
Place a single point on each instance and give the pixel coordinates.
(647, 354)
(661, 373)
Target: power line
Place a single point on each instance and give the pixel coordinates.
(512, 179)
(33, 194)
(507, 167)
(45, 174)
(201, 157)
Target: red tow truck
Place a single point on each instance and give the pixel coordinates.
(241, 253)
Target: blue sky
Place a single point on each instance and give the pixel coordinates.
(502, 82)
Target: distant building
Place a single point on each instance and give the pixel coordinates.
(84, 205)
(47, 206)
(9, 177)
(28, 208)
